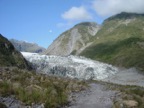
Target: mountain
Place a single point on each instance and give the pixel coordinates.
(9, 56)
(27, 47)
(73, 41)
(120, 41)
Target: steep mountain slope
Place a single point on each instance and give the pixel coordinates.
(74, 40)
(120, 41)
(9, 56)
(27, 47)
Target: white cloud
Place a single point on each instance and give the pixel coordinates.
(76, 13)
(111, 7)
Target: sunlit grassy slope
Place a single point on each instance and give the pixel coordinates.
(120, 41)
(29, 87)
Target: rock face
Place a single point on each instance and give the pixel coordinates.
(130, 103)
(11, 102)
(74, 40)
(9, 56)
(71, 66)
(27, 47)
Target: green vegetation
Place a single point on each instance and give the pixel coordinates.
(125, 53)
(30, 87)
(120, 42)
(2, 105)
(125, 15)
(9, 56)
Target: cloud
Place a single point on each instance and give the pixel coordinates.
(110, 7)
(76, 13)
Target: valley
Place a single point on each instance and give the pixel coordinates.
(84, 69)
(102, 79)
(88, 65)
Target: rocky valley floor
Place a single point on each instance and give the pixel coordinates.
(107, 95)
(70, 82)
(96, 96)
(29, 90)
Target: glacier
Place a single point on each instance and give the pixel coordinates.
(70, 66)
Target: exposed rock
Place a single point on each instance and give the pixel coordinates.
(141, 44)
(11, 102)
(73, 40)
(130, 103)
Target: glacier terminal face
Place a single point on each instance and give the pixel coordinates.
(70, 66)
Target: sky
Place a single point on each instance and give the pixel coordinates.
(42, 21)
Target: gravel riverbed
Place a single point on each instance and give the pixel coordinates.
(96, 96)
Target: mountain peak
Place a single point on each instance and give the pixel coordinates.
(125, 15)
(27, 46)
(73, 41)
(86, 24)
